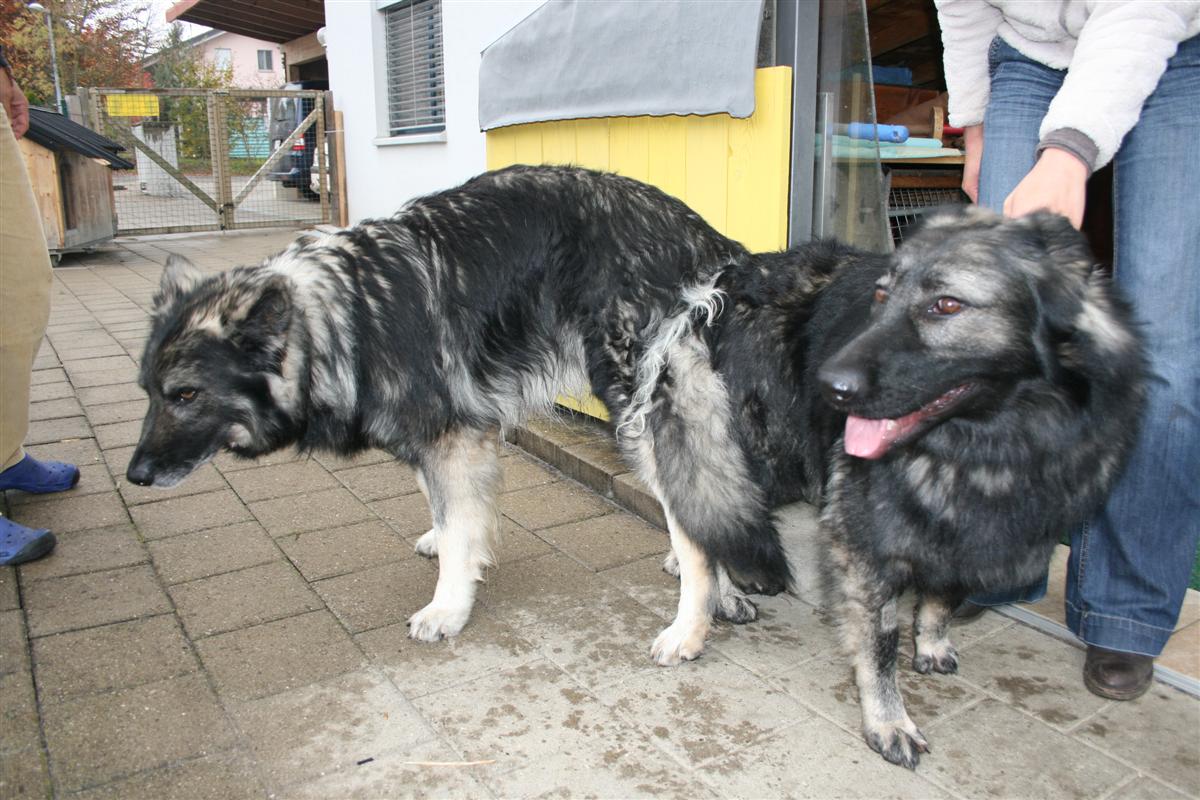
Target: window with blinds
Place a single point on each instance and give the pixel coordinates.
(415, 76)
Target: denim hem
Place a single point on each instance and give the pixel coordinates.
(1117, 633)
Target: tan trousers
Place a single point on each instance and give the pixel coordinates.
(24, 294)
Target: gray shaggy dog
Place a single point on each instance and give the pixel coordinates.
(954, 409)
(426, 333)
(981, 396)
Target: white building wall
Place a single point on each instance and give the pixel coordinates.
(381, 172)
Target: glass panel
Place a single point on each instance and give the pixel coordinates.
(416, 99)
(849, 201)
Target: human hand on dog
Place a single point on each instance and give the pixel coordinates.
(1057, 183)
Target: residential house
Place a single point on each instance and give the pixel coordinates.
(256, 64)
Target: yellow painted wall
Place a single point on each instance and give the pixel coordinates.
(733, 172)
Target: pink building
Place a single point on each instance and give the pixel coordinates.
(256, 64)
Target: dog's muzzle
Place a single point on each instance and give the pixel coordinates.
(140, 470)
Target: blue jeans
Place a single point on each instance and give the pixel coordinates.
(1130, 565)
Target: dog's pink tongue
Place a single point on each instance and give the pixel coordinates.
(870, 438)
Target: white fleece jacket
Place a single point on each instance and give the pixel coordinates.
(1114, 52)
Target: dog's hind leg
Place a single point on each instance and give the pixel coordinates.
(683, 640)
(732, 604)
(462, 478)
(931, 635)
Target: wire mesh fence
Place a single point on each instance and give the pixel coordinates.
(217, 160)
(905, 206)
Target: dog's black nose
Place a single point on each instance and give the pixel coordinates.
(139, 471)
(841, 385)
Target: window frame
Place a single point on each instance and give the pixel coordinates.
(423, 122)
(270, 54)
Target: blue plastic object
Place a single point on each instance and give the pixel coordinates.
(885, 133)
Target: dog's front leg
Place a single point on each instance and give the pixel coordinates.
(460, 478)
(683, 640)
(872, 632)
(427, 543)
(931, 634)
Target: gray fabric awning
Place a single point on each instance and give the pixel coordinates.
(575, 59)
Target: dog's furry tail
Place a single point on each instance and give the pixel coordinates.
(759, 565)
(751, 552)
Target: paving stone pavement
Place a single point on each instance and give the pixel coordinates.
(242, 635)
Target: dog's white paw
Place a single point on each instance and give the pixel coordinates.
(434, 622)
(939, 657)
(427, 544)
(670, 564)
(677, 643)
(899, 741)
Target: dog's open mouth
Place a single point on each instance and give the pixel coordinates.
(871, 438)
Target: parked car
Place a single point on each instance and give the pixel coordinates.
(297, 167)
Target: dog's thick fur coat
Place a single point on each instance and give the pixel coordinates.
(425, 333)
(986, 397)
(985, 402)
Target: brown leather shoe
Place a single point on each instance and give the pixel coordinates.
(1117, 675)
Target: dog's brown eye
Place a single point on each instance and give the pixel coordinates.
(881, 294)
(185, 395)
(946, 306)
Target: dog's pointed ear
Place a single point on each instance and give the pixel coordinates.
(179, 277)
(264, 325)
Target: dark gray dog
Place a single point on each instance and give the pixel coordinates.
(989, 392)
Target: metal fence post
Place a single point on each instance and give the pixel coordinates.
(323, 182)
(218, 145)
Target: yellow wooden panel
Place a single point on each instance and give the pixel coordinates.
(667, 147)
(558, 143)
(527, 143)
(629, 148)
(759, 161)
(592, 137)
(706, 171)
(733, 172)
(589, 405)
(501, 147)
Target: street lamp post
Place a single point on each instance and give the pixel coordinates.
(58, 95)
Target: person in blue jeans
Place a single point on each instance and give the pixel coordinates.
(1049, 92)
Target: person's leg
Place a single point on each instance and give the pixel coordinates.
(24, 294)
(1130, 566)
(1021, 92)
(24, 311)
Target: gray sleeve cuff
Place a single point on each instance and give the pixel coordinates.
(1077, 143)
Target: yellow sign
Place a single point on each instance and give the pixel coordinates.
(132, 105)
